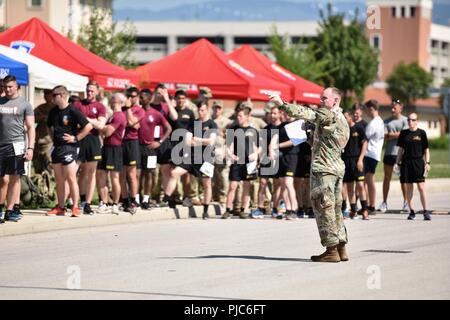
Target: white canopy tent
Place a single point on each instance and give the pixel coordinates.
(44, 75)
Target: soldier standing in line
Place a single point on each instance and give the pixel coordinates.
(327, 170)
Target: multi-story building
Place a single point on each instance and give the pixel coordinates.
(62, 15)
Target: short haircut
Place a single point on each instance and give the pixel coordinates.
(160, 86)
(9, 78)
(357, 106)
(62, 90)
(132, 90)
(93, 83)
(372, 104)
(201, 103)
(336, 91)
(246, 111)
(146, 91)
(73, 99)
(120, 97)
(180, 92)
(417, 115)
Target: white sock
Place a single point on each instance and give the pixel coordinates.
(146, 198)
(136, 198)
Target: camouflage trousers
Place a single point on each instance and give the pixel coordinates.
(326, 198)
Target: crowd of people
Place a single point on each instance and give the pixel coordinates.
(146, 149)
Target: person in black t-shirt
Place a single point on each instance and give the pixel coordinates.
(242, 150)
(353, 158)
(414, 161)
(63, 123)
(358, 110)
(201, 139)
(288, 154)
(268, 168)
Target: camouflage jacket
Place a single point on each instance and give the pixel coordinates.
(330, 137)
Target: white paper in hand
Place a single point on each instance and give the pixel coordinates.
(207, 169)
(251, 167)
(151, 162)
(19, 148)
(296, 133)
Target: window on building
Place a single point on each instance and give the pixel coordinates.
(445, 47)
(376, 41)
(394, 12)
(429, 124)
(433, 71)
(413, 12)
(403, 12)
(35, 3)
(444, 73)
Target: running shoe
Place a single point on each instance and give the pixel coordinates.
(57, 211)
(87, 209)
(103, 208)
(75, 212)
(257, 214)
(115, 209)
(412, 216)
(405, 208)
(427, 215)
(383, 207)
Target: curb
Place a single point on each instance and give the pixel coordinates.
(35, 221)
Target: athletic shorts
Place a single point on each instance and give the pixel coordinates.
(288, 165)
(412, 170)
(112, 159)
(269, 170)
(145, 153)
(238, 172)
(303, 167)
(193, 169)
(351, 172)
(164, 152)
(370, 165)
(389, 160)
(131, 153)
(65, 154)
(10, 164)
(90, 149)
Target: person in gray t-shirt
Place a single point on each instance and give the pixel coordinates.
(16, 118)
(392, 127)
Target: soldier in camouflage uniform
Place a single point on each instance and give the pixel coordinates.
(327, 170)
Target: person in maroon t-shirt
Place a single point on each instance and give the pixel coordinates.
(131, 153)
(90, 148)
(112, 157)
(154, 129)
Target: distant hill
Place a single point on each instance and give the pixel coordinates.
(256, 10)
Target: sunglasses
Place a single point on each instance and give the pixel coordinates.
(413, 120)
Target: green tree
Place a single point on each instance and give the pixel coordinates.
(409, 82)
(299, 58)
(352, 63)
(101, 37)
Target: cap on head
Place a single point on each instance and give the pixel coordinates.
(396, 101)
(218, 104)
(206, 92)
(246, 105)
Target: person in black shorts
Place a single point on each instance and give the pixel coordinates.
(16, 114)
(414, 160)
(112, 157)
(242, 150)
(129, 179)
(201, 139)
(268, 168)
(302, 175)
(288, 155)
(353, 158)
(90, 148)
(63, 122)
(161, 102)
(154, 128)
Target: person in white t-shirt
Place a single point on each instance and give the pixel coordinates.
(375, 137)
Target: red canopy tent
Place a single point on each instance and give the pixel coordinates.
(37, 38)
(203, 64)
(303, 91)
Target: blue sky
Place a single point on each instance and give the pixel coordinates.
(167, 4)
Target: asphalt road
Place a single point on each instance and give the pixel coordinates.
(390, 258)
